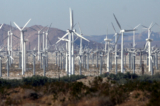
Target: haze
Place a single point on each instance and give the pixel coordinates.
(94, 16)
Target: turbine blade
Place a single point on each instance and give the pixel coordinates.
(71, 18)
(107, 31)
(17, 26)
(117, 38)
(137, 26)
(151, 58)
(49, 27)
(75, 39)
(81, 36)
(117, 22)
(16, 36)
(135, 45)
(62, 38)
(113, 36)
(150, 34)
(26, 24)
(79, 59)
(6, 61)
(74, 25)
(38, 27)
(157, 25)
(114, 28)
(150, 25)
(144, 26)
(130, 30)
(43, 28)
(33, 29)
(5, 38)
(1, 26)
(11, 57)
(146, 45)
(10, 26)
(49, 41)
(79, 29)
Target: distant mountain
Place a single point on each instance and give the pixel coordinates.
(54, 33)
(128, 38)
(32, 37)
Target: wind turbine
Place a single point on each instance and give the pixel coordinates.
(47, 35)
(1, 65)
(135, 28)
(122, 50)
(47, 46)
(22, 44)
(11, 49)
(11, 42)
(108, 52)
(70, 33)
(133, 51)
(67, 41)
(80, 52)
(149, 40)
(34, 55)
(39, 31)
(116, 40)
(7, 61)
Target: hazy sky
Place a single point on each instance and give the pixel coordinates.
(94, 16)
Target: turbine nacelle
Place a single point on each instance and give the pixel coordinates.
(148, 39)
(8, 33)
(11, 33)
(108, 40)
(25, 40)
(24, 30)
(116, 34)
(122, 31)
(70, 31)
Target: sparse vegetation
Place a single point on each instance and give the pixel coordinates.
(116, 90)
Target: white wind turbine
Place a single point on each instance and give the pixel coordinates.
(149, 40)
(11, 49)
(47, 35)
(22, 44)
(67, 41)
(116, 40)
(108, 52)
(105, 42)
(81, 46)
(70, 33)
(11, 42)
(134, 42)
(133, 51)
(39, 31)
(122, 50)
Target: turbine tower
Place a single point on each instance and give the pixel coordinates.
(22, 44)
(116, 40)
(39, 31)
(108, 52)
(122, 50)
(47, 36)
(70, 33)
(149, 40)
(134, 32)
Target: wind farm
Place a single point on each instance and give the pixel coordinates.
(77, 59)
(47, 65)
